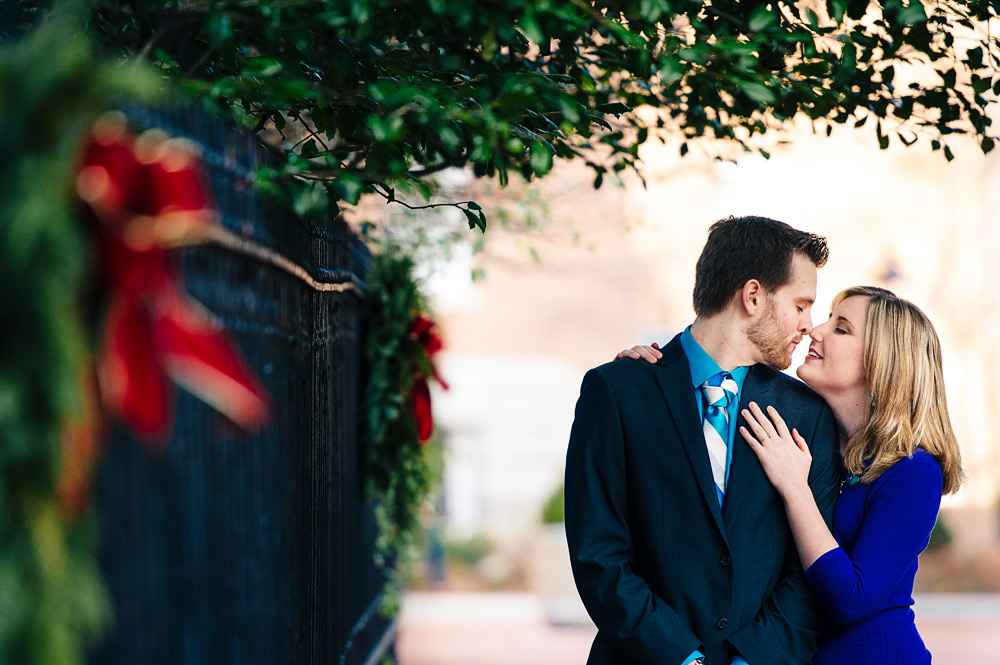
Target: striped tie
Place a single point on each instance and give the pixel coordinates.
(718, 392)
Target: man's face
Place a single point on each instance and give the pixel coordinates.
(784, 319)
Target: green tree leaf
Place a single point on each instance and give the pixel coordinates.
(758, 92)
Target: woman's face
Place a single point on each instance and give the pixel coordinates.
(835, 363)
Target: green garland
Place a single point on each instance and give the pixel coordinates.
(52, 602)
(401, 471)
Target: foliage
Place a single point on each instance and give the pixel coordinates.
(375, 96)
(940, 535)
(468, 551)
(401, 471)
(52, 601)
(554, 511)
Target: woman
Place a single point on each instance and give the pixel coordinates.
(877, 363)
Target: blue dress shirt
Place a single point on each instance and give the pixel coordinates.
(703, 367)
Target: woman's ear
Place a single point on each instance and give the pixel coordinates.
(751, 296)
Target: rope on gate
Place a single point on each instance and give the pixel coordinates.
(238, 244)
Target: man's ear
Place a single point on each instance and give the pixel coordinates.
(751, 297)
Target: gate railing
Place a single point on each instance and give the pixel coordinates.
(236, 549)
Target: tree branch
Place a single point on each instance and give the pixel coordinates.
(312, 132)
(457, 161)
(390, 197)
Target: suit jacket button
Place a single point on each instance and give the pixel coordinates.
(725, 560)
(722, 624)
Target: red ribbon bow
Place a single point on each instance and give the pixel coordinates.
(148, 195)
(425, 332)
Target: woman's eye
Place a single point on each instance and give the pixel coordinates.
(840, 331)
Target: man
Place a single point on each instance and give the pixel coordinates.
(679, 544)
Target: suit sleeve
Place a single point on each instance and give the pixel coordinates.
(642, 626)
(785, 629)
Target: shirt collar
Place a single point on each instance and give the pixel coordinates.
(703, 365)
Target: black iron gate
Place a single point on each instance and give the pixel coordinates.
(229, 549)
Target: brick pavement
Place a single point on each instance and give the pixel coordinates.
(444, 628)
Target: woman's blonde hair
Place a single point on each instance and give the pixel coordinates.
(905, 391)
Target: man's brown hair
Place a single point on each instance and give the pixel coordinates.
(743, 248)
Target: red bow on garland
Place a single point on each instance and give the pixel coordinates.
(425, 332)
(148, 195)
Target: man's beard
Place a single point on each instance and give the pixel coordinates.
(766, 335)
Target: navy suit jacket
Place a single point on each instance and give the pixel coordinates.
(661, 568)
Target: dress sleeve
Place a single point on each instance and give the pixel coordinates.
(898, 517)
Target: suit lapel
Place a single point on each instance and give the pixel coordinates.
(675, 383)
(744, 465)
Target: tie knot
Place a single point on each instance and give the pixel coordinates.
(719, 389)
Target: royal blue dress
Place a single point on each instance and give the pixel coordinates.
(866, 584)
